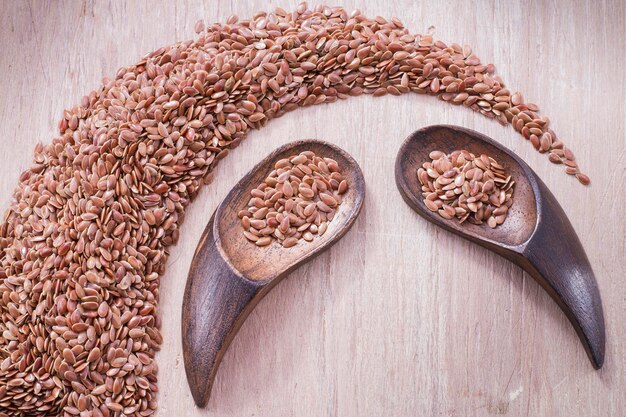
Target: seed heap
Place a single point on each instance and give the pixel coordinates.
(467, 187)
(296, 201)
(85, 239)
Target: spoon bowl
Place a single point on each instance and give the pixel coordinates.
(536, 234)
(229, 275)
(522, 216)
(266, 263)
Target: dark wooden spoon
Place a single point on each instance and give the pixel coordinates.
(536, 235)
(229, 275)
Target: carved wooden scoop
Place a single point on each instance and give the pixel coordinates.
(229, 275)
(536, 235)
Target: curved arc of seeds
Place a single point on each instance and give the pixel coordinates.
(84, 241)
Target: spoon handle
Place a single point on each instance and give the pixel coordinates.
(217, 300)
(556, 259)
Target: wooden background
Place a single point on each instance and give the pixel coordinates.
(399, 318)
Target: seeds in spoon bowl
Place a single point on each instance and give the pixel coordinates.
(295, 202)
(467, 187)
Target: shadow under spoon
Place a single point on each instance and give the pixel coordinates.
(536, 235)
(229, 275)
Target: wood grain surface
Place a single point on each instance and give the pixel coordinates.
(400, 318)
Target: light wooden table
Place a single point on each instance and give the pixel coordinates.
(399, 318)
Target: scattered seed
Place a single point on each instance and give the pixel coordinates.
(583, 179)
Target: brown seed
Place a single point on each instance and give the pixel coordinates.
(431, 205)
(258, 223)
(115, 407)
(306, 192)
(289, 242)
(245, 222)
(324, 207)
(343, 187)
(264, 241)
(434, 155)
(584, 180)
(250, 236)
(554, 158)
(68, 356)
(328, 200)
(259, 214)
(309, 209)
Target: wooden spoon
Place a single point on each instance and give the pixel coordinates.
(229, 275)
(536, 234)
